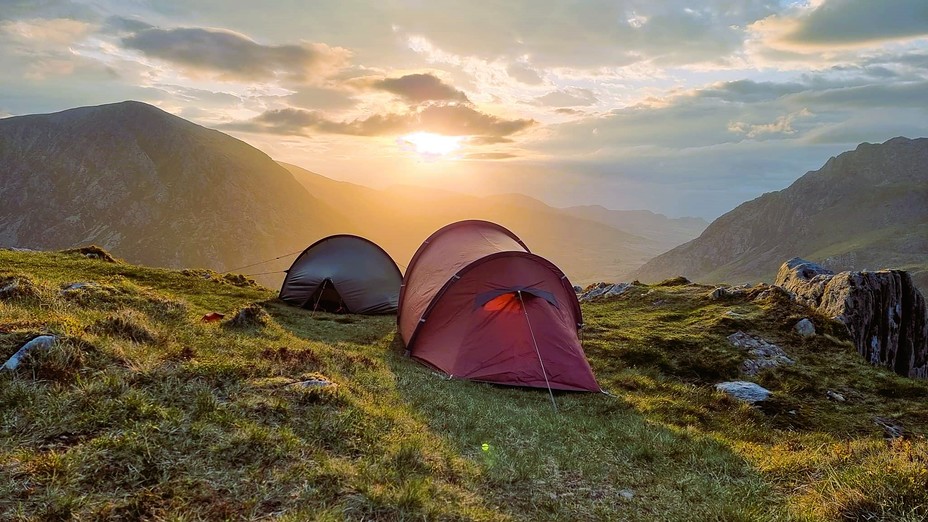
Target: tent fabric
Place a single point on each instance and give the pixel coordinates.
(472, 301)
(343, 271)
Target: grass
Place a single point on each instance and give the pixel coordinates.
(142, 411)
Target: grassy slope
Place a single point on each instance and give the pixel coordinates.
(196, 423)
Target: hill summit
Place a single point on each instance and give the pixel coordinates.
(150, 186)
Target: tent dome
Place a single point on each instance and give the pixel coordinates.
(343, 273)
(476, 304)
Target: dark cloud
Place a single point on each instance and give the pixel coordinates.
(748, 91)
(234, 56)
(570, 97)
(447, 119)
(861, 21)
(128, 25)
(418, 88)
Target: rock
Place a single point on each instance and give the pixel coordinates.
(76, 287)
(891, 428)
(763, 354)
(835, 396)
(312, 383)
(722, 293)
(805, 328)
(627, 494)
(41, 342)
(603, 290)
(17, 288)
(883, 311)
(804, 279)
(744, 391)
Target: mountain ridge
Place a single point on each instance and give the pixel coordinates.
(153, 187)
(863, 209)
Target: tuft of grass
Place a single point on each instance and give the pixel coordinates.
(250, 316)
(125, 324)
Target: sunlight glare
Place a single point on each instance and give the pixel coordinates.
(429, 145)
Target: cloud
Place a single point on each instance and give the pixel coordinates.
(489, 156)
(415, 88)
(570, 97)
(524, 74)
(446, 119)
(233, 56)
(831, 26)
(853, 22)
(782, 125)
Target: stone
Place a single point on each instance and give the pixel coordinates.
(805, 328)
(891, 428)
(744, 391)
(763, 354)
(835, 396)
(43, 342)
(627, 494)
(603, 290)
(312, 383)
(884, 313)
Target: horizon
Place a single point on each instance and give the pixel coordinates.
(685, 112)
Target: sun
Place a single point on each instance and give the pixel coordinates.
(429, 145)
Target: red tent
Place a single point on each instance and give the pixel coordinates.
(476, 304)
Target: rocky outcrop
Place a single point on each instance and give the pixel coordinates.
(603, 290)
(884, 312)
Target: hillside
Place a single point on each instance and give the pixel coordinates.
(152, 188)
(865, 209)
(142, 411)
(666, 232)
(589, 248)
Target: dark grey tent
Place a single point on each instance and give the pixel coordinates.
(343, 273)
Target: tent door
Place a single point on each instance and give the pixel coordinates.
(326, 299)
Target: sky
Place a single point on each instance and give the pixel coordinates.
(680, 107)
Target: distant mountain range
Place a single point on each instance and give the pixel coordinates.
(156, 189)
(863, 210)
(588, 243)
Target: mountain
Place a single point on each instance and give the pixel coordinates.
(151, 187)
(588, 249)
(863, 210)
(666, 232)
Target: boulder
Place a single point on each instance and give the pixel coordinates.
(763, 354)
(744, 391)
(805, 328)
(883, 311)
(804, 279)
